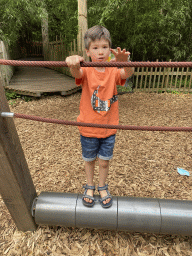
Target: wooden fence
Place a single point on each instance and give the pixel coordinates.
(163, 79)
(59, 51)
(33, 49)
(145, 79)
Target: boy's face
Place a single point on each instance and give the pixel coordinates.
(99, 50)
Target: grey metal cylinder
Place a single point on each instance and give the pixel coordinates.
(132, 214)
(139, 215)
(176, 217)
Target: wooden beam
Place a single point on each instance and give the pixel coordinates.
(83, 26)
(16, 185)
(45, 34)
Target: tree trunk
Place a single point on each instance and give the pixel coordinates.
(83, 26)
(45, 34)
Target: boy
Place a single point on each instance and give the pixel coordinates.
(98, 105)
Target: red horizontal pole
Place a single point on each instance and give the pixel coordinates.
(106, 126)
(94, 64)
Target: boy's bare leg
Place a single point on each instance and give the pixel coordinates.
(103, 172)
(89, 170)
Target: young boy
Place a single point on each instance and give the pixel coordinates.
(98, 105)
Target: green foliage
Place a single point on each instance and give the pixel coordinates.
(123, 89)
(63, 19)
(10, 95)
(149, 29)
(18, 16)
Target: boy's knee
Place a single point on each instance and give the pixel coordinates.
(103, 163)
(90, 162)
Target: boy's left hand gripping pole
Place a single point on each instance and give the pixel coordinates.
(7, 114)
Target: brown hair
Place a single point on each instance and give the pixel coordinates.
(94, 33)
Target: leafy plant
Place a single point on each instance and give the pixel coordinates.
(13, 95)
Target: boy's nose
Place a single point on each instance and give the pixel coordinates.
(100, 51)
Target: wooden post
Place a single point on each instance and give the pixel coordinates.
(45, 34)
(83, 26)
(16, 185)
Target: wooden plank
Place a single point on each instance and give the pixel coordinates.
(146, 79)
(150, 77)
(155, 74)
(172, 71)
(158, 80)
(34, 81)
(141, 82)
(190, 82)
(163, 81)
(167, 77)
(186, 78)
(25, 92)
(176, 78)
(137, 78)
(16, 185)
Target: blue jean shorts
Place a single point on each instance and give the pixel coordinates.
(94, 147)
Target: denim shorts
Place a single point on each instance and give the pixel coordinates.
(94, 147)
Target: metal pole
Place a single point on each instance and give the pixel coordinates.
(145, 215)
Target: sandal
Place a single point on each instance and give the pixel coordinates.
(105, 197)
(86, 187)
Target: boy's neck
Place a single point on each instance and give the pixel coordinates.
(102, 69)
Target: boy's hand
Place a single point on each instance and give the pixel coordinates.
(73, 61)
(120, 55)
(123, 56)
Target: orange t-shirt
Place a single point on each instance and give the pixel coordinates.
(99, 100)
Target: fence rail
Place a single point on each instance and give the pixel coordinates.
(145, 79)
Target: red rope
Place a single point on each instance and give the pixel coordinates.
(95, 64)
(106, 126)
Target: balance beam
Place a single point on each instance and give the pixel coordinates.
(131, 214)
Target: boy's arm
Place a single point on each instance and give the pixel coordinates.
(77, 73)
(73, 62)
(123, 56)
(127, 72)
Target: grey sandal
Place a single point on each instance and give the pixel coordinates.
(86, 187)
(105, 197)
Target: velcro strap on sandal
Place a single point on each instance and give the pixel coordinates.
(89, 187)
(103, 188)
(105, 198)
(89, 197)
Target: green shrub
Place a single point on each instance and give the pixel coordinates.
(13, 95)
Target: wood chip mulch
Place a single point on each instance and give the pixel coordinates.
(144, 165)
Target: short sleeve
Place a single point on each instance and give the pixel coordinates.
(80, 81)
(120, 81)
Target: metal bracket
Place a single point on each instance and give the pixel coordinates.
(7, 114)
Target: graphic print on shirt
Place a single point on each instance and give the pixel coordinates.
(101, 105)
